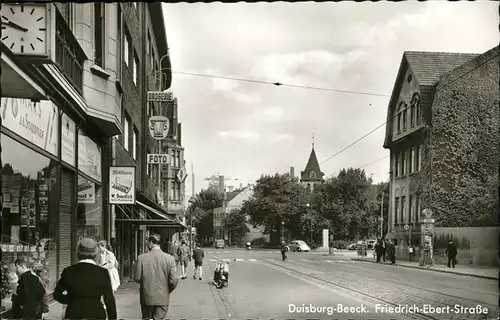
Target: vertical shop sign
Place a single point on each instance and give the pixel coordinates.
(68, 140)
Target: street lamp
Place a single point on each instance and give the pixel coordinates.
(282, 231)
(191, 201)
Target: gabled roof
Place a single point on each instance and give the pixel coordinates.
(428, 67)
(312, 165)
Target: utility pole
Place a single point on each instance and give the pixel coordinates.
(191, 213)
(382, 216)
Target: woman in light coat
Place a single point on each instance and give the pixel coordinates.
(107, 260)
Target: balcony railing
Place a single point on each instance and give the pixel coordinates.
(69, 55)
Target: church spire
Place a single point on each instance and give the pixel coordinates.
(313, 141)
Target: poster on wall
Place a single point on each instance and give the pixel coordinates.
(122, 185)
(68, 140)
(36, 122)
(89, 156)
(86, 191)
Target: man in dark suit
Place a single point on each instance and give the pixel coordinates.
(155, 271)
(82, 285)
(451, 252)
(28, 300)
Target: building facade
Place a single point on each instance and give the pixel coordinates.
(59, 105)
(429, 124)
(63, 99)
(145, 66)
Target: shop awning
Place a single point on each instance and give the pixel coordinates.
(148, 217)
(15, 82)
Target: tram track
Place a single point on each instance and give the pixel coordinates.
(378, 275)
(383, 295)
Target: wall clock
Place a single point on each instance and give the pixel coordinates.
(25, 28)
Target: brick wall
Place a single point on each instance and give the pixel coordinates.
(131, 98)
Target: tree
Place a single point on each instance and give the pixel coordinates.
(277, 199)
(345, 203)
(202, 210)
(236, 224)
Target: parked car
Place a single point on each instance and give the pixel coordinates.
(299, 245)
(371, 244)
(353, 246)
(220, 244)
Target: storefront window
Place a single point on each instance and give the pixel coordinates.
(89, 210)
(28, 213)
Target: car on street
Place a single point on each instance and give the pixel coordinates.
(299, 245)
(371, 244)
(219, 244)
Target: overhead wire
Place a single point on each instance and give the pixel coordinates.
(373, 162)
(279, 84)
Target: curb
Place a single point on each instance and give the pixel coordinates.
(435, 270)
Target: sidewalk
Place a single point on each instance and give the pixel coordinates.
(192, 299)
(465, 270)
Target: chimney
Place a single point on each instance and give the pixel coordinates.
(221, 183)
(292, 172)
(241, 185)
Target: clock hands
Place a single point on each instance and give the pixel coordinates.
(15, 26)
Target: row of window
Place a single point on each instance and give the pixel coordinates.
(127, 144)
(408, 161)
(175, 191)
(414, 112)
(400, 209)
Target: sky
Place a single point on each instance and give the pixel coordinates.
(242, 130)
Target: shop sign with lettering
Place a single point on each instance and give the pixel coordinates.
(89, 156)
(36, 122)
(68, 140)
(122, 185)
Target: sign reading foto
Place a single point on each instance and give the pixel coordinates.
(158, 158)
(122, 185)
(158, 127)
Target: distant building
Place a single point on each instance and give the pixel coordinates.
(442, 132)
(312, 174)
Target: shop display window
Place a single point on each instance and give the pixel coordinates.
(89, 209)
(28, 213)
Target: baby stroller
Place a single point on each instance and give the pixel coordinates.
(221, 274)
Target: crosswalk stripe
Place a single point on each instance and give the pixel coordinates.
(217, 252)
(329, 261)
(210, 252)
(252, 260)
(227, 260)
(239, 260)
(305, 260)
(213, 259)
(226, 251)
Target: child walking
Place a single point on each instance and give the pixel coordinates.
(198, 255)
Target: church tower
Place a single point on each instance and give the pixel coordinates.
(312, 174)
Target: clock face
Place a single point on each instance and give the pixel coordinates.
(312, 174)
(24, 28)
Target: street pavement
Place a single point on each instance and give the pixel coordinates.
(261, 286)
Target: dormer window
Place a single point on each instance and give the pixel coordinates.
(312, 175)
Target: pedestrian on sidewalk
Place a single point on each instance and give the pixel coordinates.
(198, 255)
(155, 271)
(174, 253)
(391, 252)
(378, 250)
(29, 298)
(384, 249)
(107, 260)
(426, 260)
(83, 284)
(451, 252)
(183, 253)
